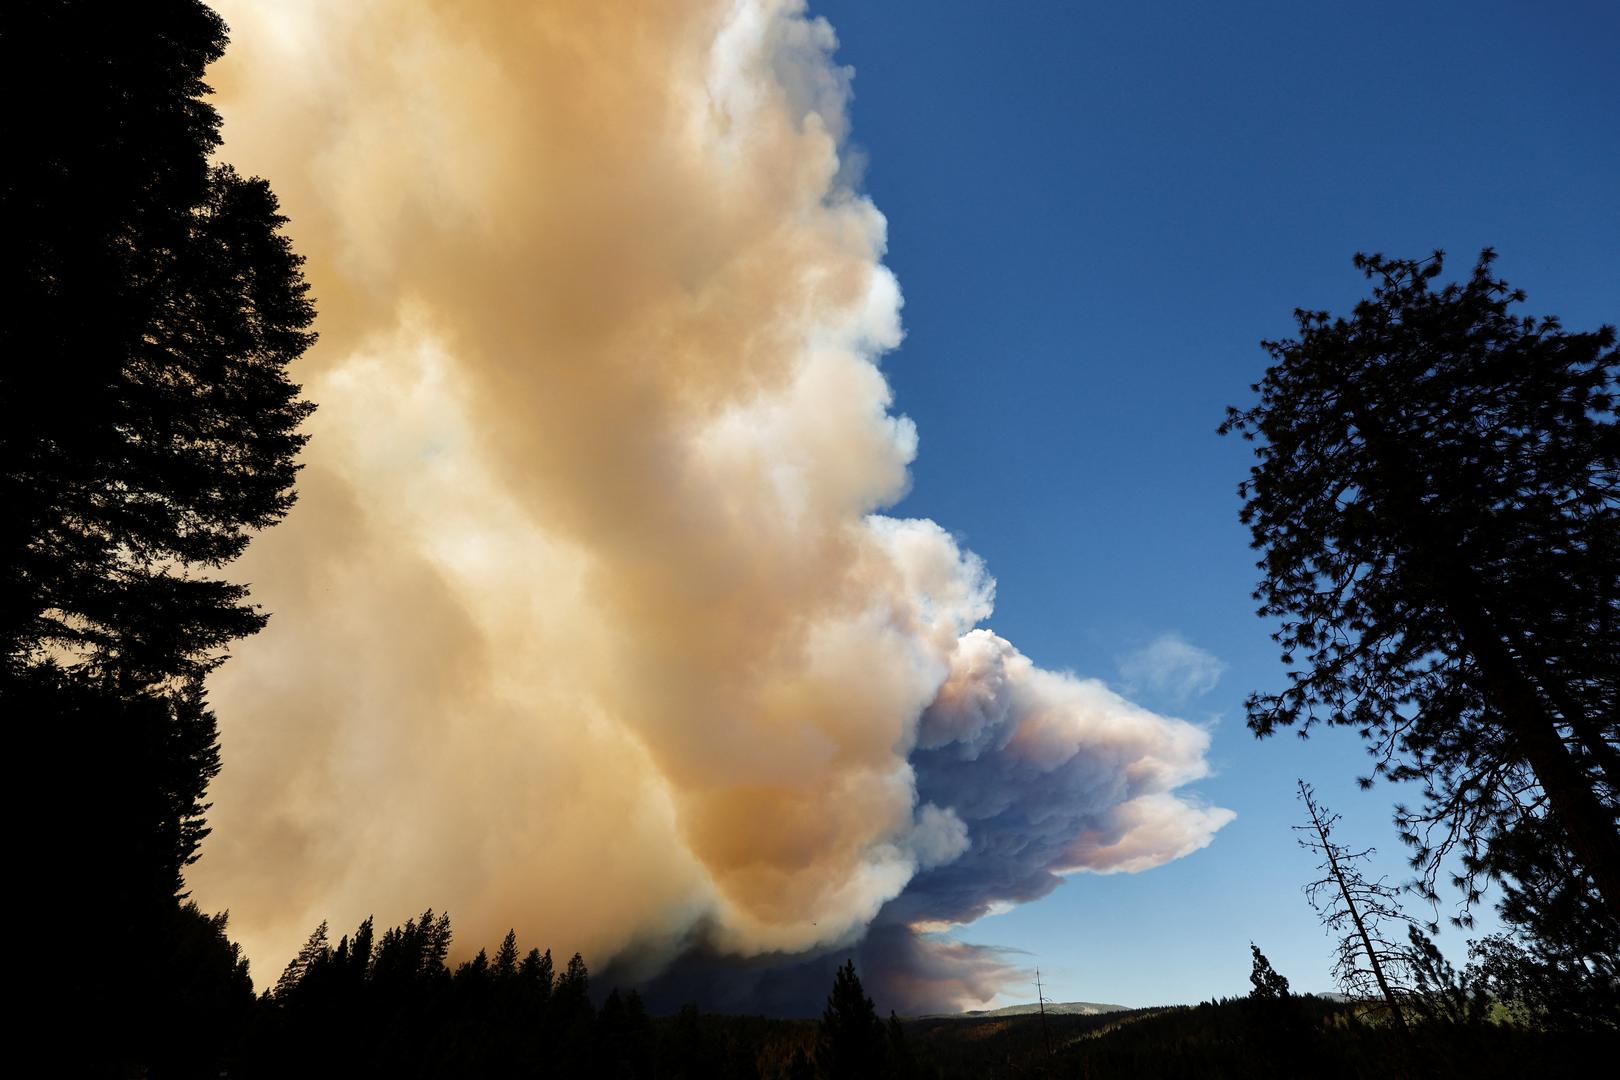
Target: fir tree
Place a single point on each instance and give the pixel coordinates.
(1437, 503)
(1268, 983)
(148, 428)
(314, 953)
(506, 959)
(851, 1039)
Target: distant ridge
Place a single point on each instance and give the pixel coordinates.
(1053, 1008)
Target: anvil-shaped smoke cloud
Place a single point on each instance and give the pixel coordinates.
(587, 622)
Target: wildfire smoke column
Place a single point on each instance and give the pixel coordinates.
(588, 621)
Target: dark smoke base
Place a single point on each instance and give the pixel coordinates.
(909, 973)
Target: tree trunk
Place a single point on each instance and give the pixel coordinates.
(1589, 824)
(1591, 827)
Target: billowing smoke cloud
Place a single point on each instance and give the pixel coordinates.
(587, 621)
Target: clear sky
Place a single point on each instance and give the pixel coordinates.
(1096, 212)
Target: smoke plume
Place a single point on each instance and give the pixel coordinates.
(588, 621)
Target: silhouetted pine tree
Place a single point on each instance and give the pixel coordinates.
(572, 1019)
(315, 952)
(506, 959)
(626, 1045)
(147, 430)
(851, 1041)
(901, 1063)
(1437, 501)
(536, 974)
(208, 998)
(571, 998)
(1268, 983)
(690, 1052)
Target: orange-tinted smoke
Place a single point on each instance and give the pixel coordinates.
(587, 621)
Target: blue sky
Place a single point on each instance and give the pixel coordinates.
(1096, 212)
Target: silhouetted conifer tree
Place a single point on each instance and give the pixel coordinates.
(506, 959)
(851, 1040)
(207, 998)
(901, 1062)
(148, 424)
(691, 1053)
(1268, 983)
(147, 429)
(315, 952)
(572, 993)
(1441, 993)
(572, 1018)
(1437, 500)
(536, 975)
(360, 949)
(624, 1037)
(1545, 986)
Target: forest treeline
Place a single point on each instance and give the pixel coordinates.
(1435, 502)
(391, 1004)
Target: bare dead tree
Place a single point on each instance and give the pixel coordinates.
(1357, 911)
(1040, 996)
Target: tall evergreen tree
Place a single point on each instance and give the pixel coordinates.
(506, 958)
(573, 990)
(851, 1040)
(148, 423)
(1545, 984)
(206, 998)
(147, 429)
(360, 948)
(1437, 503)
(315, 952)
(536, 974)
(1265, 979)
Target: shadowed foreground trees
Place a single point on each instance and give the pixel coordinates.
(1437, 503)
(851, 1039)
(394, 1008)
(147, 429)
(391, 1006)
(149, 425)
(1318, 1038)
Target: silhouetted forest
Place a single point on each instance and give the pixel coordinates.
(1436, 502)
(389, 1004)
